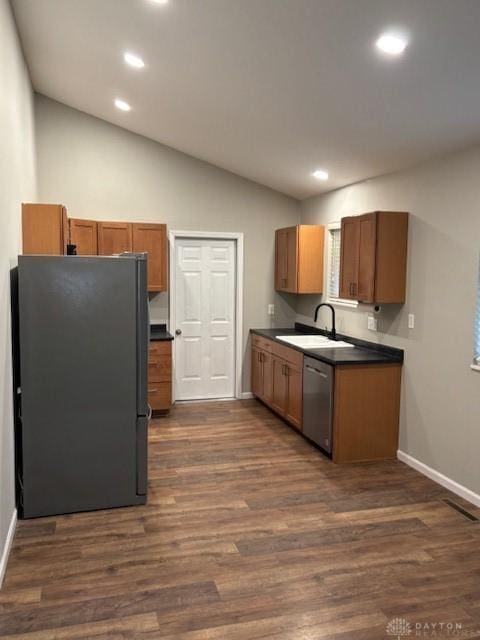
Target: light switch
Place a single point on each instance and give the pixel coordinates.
(411, 321)
(271, 310)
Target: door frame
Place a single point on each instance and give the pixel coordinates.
(238, 244)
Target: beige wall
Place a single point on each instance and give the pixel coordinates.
(17, 179)
(101, 171)
(440, 416)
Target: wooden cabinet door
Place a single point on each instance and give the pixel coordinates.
(83, 234)
(292, 259)
(286, 259)
(152, 238)
(267, 377)
(257, 373)
(279, 385)
(44, 229)
(281, 259)
(114, 237)
(294, 404)
(365, 291)
(349, 249)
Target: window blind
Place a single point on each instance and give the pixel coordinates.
(477, 323)
(334, 266)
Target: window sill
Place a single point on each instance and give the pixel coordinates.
(340, 302)
(475, 367)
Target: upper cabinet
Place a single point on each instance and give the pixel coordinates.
(44, 229)
(373, 262)
(47, 230)
(114, 237)
(299, 259)
(152, 238)
(83, 234)
(117, 237)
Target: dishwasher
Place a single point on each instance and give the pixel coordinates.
(318, 403)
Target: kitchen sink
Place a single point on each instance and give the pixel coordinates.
(314, 342)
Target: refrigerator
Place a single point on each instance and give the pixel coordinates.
(81, 335)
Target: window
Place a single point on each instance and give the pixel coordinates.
(476, 348)
(333, 267)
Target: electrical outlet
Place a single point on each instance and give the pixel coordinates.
(411, 321)
(372, 323)
(271, 310)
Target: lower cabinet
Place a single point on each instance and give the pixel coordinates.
(366, 400)
(160, 375)
(280, 385)
(277, 378)
(294, 407)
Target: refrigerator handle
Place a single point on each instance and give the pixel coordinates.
(142, 455)
(143, 336)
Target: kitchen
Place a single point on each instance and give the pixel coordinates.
(248, 528)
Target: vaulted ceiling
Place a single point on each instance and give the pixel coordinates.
(269, 89)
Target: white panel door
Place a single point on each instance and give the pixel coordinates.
(205, 316)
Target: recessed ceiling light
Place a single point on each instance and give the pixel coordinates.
(122, 105)
(160, 1)
(320, 174)
(391, 43)
(133, 60)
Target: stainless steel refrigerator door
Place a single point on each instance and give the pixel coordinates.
(78, 351)
(143, 330)
(318, 402)
(143, 337)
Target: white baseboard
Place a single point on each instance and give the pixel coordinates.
(438, 477)
(8, 546)
(246, 395)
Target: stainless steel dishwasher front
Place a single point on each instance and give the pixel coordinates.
(318, 402)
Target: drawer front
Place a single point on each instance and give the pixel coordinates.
(292, 356)
(159, 371)
(160, 347)
(262, 343)
(160, 395)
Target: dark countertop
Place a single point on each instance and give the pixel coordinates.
(362, 353)
(159, 332)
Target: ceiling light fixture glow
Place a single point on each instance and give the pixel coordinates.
(320, 174)
(133, 60)
(160, 1)
(391, 43)
(122, 105)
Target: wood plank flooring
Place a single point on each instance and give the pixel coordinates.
(249, 533)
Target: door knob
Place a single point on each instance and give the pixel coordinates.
(178, 332)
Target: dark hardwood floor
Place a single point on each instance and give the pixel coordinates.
(249, 533)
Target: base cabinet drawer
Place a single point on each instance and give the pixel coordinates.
(160, 375)
(160, 396)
